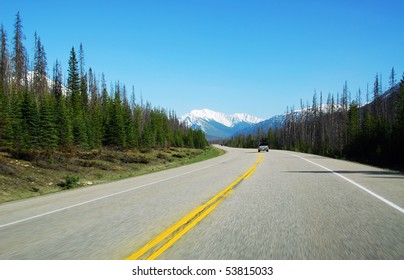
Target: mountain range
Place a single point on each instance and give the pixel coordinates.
(217, 126)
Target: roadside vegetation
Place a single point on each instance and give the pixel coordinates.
(365, 129)
(40, 173)
(56, 135)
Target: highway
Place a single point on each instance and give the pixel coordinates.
(242, 205)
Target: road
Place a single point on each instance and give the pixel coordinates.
(286, 206)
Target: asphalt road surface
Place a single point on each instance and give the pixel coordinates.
(286, 206)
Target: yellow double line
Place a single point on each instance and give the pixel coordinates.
(164, 240)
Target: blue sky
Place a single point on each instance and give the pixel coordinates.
(240, 56)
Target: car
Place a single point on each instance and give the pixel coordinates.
(263, 146)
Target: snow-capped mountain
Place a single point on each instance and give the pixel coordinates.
(218, 125)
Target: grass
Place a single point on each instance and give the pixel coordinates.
(24, 176)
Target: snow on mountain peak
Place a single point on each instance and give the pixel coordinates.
(226, 120)
(218, 125)
(246, 118)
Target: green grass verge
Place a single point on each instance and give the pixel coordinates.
(43, 173)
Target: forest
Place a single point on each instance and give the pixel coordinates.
(370, 131)
(42, 113)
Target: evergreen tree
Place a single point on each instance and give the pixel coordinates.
(137, 123)
(83, 81)
(64, 130)
(399, 127)
(271, 138)
(394, 96)
(4, 63)
(79, 119)
(105, 104)
(14, 131)
(20, 59)
(48, 133)
(4, 117)
(64, 125)
(115, 130)
(353, 130)
(30, 121)
(57, 82)
(129, 123)
(147, 140)
(95, 113)
(4, 87)
(376, 99)
(93, 88)
(168, 132)
(73, 82)
(40, 82)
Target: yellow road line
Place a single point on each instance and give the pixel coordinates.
(185, 230)
(254, 167)
(164, 240)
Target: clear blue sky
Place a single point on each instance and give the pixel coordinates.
(239, 56)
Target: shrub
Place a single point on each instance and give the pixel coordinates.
(70, 182)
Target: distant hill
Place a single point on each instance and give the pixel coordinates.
(274, 122)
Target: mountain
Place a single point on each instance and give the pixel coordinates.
(274, 122)
(278, 120)
(217, 125)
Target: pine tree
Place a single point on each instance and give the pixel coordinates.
(93, 88)
(14, 131)
(20, 59)
(392, 78)
(83, 81)
(57, 82)
(270, 138)
(105, 104)
(79, 119)
(64, 125)
(353, 128)
(30, 121)
(115, 130)
(137, 115)
(4, 63)
(345, 117)
(129, 123)
(95, 112)
(394, 95)
(399, 126)
(376, 100)
(168, 132)
(5, 120)
(40, 83)
(4, 87)
(47, 132)
(73, 82)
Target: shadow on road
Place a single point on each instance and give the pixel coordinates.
(382, 174)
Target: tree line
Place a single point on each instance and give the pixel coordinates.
(368, 131)
(37, 112)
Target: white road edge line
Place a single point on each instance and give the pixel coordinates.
(354, 183)
(107, 196)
